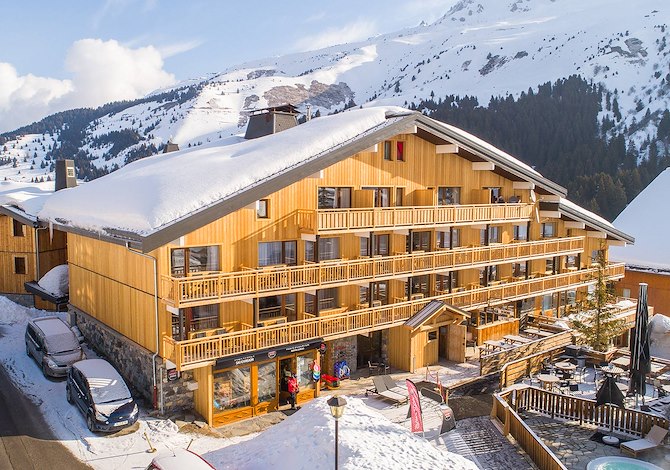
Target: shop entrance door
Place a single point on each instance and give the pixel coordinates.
(286, 368)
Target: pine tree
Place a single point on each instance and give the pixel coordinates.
(596, 325)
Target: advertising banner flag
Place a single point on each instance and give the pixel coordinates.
(414, 407)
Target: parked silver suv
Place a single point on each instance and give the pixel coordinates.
(53, 345)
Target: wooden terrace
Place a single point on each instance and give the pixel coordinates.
(207, 288)
(193, 353)
(330, 221)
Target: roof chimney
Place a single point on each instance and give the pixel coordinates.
(268, 121)
(65, 176)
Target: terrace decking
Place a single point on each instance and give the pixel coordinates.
(207, 288)
(200, 352)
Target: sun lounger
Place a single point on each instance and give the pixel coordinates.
(392, 386)
(382, 390)
(653, 439)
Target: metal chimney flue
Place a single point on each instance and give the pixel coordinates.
(65, 175)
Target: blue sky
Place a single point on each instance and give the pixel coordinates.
(59, 55)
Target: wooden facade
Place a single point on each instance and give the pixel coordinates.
(658, 291)
(357, 248)
(22, 250)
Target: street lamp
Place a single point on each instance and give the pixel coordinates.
(337, 405)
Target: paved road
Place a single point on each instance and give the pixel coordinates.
(26, 442)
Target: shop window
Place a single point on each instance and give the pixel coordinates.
(267, 382)
(194, 259)
(334, 198)
(18, 229)
(19, 265)
(388, 147)
(400, 151)
(232, 389)
(263, 209)
(304, 366)
(448, 195)
(273, 253)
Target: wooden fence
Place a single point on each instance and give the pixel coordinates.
(512, 424)
(523, 367)
(495, 361)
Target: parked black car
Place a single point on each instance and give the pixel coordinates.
(100, 393)
(53, 344)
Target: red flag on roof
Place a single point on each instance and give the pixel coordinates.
(414, 407)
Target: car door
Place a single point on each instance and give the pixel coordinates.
(80, 393)
(31, 342)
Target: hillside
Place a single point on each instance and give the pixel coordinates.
(481, 49)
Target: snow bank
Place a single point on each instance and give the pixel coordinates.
(56, 281)
(367, 440)
(152, 192)
(659, 336)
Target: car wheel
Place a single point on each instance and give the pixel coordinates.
(89, 423)
(68, 394)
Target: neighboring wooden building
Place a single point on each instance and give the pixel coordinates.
(373, 235)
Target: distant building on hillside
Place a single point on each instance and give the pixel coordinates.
(646, 218)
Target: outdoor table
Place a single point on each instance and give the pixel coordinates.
(622, 362)
(516, 339)
(548, 379)
(566, 366)
(494, 345)
(612, 370)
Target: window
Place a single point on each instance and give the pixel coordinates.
(455, 237)
(598, 256)
(204, 317)
(626, 293)
(267, 381)
(432, 335)
(380, 292)
(519, 269)
(448, 195)
(521, 232)
(445, 283)
(548, 230)
(19, 265)
(232, 389)
(309, 251)
(420, 241)
(572, 261)
(304, 365)
(400, 151)
(329, 248)
(419, 285)
(548, 302)
(449, 239)
(399, 194)
(334, 198)
(364, 247)
(194, 259)
(272, 253)
(382, 197)
(277, 306)
(18, 228)
(328, 298)
(549, 265)
(381, 245)
(263, 208)
(493, 235)
(388, 147)
(495, 195)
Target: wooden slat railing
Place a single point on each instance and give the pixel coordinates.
(556, 405)
(196, 352)
(512, 424)
(214, 287)
(357, 219)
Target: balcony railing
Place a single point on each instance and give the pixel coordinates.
(198, 352)
(209, 288)
(371, 218)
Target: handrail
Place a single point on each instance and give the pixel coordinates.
(362, 218)
(210, 288)
(190, 353)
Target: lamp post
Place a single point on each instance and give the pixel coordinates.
(337, 405)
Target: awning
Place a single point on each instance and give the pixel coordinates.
(34, 288)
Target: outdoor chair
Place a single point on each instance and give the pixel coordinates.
(574, 387)
(382, 390)
(393, 386)
(653, 439)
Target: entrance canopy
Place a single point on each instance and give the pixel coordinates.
(431, 311)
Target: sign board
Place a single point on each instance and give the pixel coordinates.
(172, 375)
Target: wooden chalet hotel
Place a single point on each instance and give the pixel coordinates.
(375, 234)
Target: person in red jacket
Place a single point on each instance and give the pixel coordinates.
(293, 389)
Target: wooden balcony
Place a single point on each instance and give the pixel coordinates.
(214, 287)
(199, 352)
(329, 221)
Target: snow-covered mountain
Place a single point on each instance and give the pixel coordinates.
(479, 48)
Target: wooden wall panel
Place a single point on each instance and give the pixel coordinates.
(456, 342)
(11, 282)
(658, 291)
(204, 395)
(399, 348)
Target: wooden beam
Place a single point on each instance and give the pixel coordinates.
(523, 185)
(362, 234)
(551, 214)
(596, 234)
(616, 243)
(411, 130)
(404, 232)
(574, 224)
(310, 237)
(317, 175)
(550, 198)
(446, 148)
(373, 149)
(483, 166)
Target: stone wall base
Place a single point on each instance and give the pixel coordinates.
(338, 350)
(134, 362)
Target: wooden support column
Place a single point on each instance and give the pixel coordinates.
(256, 312)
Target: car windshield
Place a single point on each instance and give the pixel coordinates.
(62, 342)
(107, 390)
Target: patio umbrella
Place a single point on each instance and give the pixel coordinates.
(640, 359)
(609, 394)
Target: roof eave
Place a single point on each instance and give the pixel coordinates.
(595, 223)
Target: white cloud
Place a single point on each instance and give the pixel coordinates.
(170, 50)
(351, 32)
(102, 71)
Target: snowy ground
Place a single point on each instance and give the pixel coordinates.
(303, 440)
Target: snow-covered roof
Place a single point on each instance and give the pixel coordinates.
(647, 221)
(24, 200)
(153, 201)
(591, 219)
